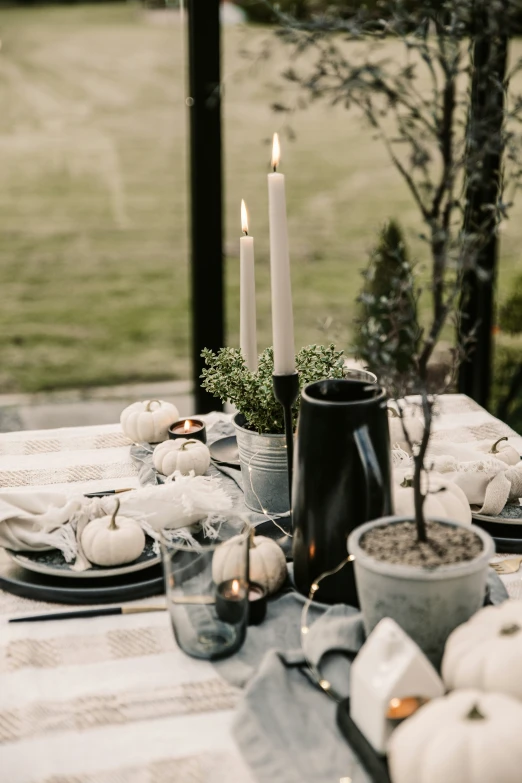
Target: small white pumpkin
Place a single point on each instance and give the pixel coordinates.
(106, 542)
(466, 737)
(182, 454)
(486, 652)
(267, 562)
(501, 450)
(414, 428)
(148, 421)
(445, 500)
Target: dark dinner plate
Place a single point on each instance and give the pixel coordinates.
(507, 538)
(225, 451)
(128, 587)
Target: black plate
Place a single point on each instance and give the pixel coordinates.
(225, 451)
(128, 587)
(507, 538)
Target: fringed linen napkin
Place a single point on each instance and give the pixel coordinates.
(53, 520)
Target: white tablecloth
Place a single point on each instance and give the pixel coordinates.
(112, 699)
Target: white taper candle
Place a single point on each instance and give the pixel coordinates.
(247, 298)
(282, 313)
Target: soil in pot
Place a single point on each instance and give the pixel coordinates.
(398, 544)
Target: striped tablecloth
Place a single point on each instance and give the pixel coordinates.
(112, 699)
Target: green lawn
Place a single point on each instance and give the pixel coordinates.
(93, 253)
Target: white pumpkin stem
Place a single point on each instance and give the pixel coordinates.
(187, 443)
(392, 413)
(407, 482)
(510, 630)
(475, 714)
(493, 449)
(113, 525)
(148, 408)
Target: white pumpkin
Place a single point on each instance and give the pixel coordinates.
(501, 450)
(414, 428)
(107, 542)
(267, 562)
(148, 421)
(466, 737)
(445, 500)
(182, 454)
(486, 652)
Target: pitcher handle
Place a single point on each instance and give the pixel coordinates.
(372, 472)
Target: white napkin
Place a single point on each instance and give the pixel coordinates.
(39, 521)
(489, 473)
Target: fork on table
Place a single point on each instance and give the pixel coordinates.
(509, 566)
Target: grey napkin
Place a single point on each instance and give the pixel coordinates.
(285, 726)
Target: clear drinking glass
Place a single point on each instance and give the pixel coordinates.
(207, 587)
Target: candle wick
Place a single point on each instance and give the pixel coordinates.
(275, 169)
(245, 232)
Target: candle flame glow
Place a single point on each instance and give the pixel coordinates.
(276, 152)
(235, 586)
(244, 217)
(187, 425)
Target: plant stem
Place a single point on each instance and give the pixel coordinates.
(418, 495)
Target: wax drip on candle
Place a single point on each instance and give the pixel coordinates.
(276, 152)
(244, 218)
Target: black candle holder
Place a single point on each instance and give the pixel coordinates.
(286, 391)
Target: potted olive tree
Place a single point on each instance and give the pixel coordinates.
(259, 422)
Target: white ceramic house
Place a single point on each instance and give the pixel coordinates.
(389, 665)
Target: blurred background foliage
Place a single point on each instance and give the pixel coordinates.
(93, 196)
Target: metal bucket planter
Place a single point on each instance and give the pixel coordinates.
(263, 468)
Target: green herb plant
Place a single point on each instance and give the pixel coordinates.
(227, 377)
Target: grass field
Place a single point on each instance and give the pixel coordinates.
(93, 253)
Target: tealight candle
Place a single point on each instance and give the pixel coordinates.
(256, 603)
(231, 600)
(188, 428)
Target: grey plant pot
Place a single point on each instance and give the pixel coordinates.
(264, 469)
(427, 604)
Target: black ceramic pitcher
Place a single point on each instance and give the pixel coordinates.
(341, 479)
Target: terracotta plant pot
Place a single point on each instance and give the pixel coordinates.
(427, 603)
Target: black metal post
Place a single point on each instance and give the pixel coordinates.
(479, 283)
(204, 103)
(286, 391)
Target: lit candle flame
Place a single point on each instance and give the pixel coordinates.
(244, 217)
(276, 152)
(187, 425)
(235, 586)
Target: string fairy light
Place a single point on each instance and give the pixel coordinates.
(263, 510)
(323, 683)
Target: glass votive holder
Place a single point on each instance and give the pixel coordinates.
(206, 587)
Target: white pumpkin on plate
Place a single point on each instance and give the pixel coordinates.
(466, 737)
(148, 421)
(267, 562)
(486, 652)
(445, 500)
(108, 541)
(183, 454)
